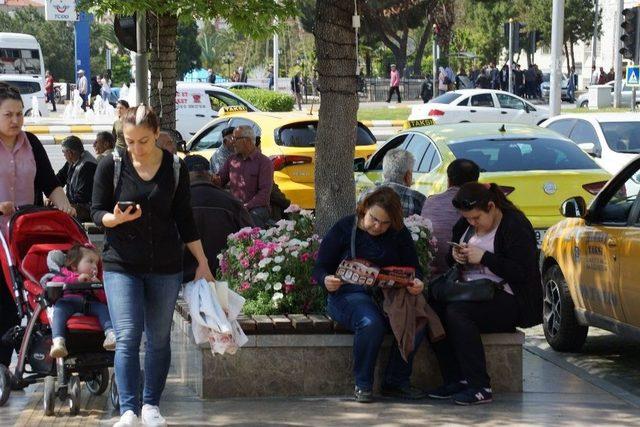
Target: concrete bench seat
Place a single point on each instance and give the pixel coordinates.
(282, 360)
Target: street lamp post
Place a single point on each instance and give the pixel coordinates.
(228, 58)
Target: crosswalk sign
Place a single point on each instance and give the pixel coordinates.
(633, 76)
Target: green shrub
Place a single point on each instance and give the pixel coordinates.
(266, 100)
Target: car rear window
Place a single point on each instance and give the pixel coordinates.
(623, 137)
(505, 155)
(304, 135)
(25, 88)
(447, 98)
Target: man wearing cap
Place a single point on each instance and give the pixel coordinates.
(216, 213)
(249, 174)
(394, 84)
(225, 151)
(77, 173)
(83, 88)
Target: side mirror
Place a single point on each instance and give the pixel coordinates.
(589, 148)
(575, 207)
(182, 147)
(526, 108)
(358, 164)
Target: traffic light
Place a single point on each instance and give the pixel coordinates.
(125, 29)
(631, 34)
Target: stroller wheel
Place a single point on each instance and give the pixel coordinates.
(74, 395)
(98, 385)
(5, 384)
(113, 393)
(49, 395)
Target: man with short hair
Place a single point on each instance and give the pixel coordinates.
(83, 88)
(249, 174)
(397, 171)
(49, 90)
(166, 142)
(211, 76)
(104, 144)
(440, 211)
(219, 158)
(216, 213)
(77, 173)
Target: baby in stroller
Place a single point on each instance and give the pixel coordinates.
(80, 265)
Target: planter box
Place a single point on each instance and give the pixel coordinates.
(280, 360)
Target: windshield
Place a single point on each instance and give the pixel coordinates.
(25, 88)
(622, 137)
(447, 98)
(19, 61)
(505, 155)
(304, 135)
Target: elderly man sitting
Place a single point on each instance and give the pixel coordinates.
(216, 213)
(397, 170)
(77, 174)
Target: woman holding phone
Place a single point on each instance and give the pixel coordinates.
(147, 217)
(493, 240)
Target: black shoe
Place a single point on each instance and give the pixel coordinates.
(446, 391)
(363, 396)
(473, 396)
(405, 392)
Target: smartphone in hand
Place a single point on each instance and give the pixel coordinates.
(456, 245)
(124, 205)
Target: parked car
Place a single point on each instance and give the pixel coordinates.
(612, 139)
(478, 106)
(30, 88)
(236, 85)
(288, 139)
(536, 168)
(625, 96)
(589, 264)
(545, 87)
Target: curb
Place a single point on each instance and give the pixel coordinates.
(383, 123)
(56, 139)
(66, 129)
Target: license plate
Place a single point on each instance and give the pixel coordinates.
(539, 236)
(423, 122)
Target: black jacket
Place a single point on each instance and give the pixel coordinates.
(217, 214)
(154, 242)
(80, 186)
(514, 260)
(46, 180)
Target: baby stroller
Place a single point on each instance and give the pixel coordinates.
(33, 233)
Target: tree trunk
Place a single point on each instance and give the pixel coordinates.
(417, 62)
(335, 44)
(566, 55)
(573, 58)
(162, 64)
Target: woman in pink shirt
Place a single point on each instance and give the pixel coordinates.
(25, 173)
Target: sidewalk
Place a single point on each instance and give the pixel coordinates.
(552, 396)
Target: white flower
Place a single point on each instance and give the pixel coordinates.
(277, 296)
(289, 280)
(265, 252)
(293, 208)
(276, 268)
(279, 250)
(278, 259)
(414, 236)
(262, 276)
(294, 254)
(277, 286)
(264, 262)
(267, 287)
(304, 244)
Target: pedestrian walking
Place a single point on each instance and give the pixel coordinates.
(211, 76)
(394, 83)
(571, 85)
(296, 88)
(49, 90)
(83, 89)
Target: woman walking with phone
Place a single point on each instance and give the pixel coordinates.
(145, 206)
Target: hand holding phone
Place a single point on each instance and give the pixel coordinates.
(457, 245)
(123, 206)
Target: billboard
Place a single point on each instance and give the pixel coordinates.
(61, 10)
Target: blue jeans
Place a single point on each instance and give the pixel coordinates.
(357, 312)
(68, 306)
(140, 302)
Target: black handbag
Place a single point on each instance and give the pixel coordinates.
(449, 287)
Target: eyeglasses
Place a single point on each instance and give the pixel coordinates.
(464, 204)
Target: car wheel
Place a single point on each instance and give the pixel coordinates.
(561, 327)
(584, 104)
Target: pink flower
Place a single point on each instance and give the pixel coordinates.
(244, 263)
(293, 208)
(313, 281)
(244, 286)
(288, 288)
(304, 257)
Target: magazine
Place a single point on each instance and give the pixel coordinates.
(363, 272)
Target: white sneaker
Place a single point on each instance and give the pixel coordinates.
(109, 340)
(151, 417)
(128, 419)
(58, 349)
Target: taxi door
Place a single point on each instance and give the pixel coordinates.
(629, 255)
(603, 250)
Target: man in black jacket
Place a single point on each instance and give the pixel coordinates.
(217, 214)
(77, 174)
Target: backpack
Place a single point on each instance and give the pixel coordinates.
(117, 170)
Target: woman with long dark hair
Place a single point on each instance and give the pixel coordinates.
(496, 242)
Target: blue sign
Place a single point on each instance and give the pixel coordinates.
(633, 76)
(82, 35)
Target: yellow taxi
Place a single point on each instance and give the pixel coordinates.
(589, 264)
(288, 139)
(536, 168)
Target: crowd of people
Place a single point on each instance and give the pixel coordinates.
(167, 219)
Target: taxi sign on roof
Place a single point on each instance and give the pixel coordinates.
(423, 122)
(232, 109)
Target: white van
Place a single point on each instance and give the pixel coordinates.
(28, 88)
(197, 104)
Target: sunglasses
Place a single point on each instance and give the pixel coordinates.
(464, 204)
